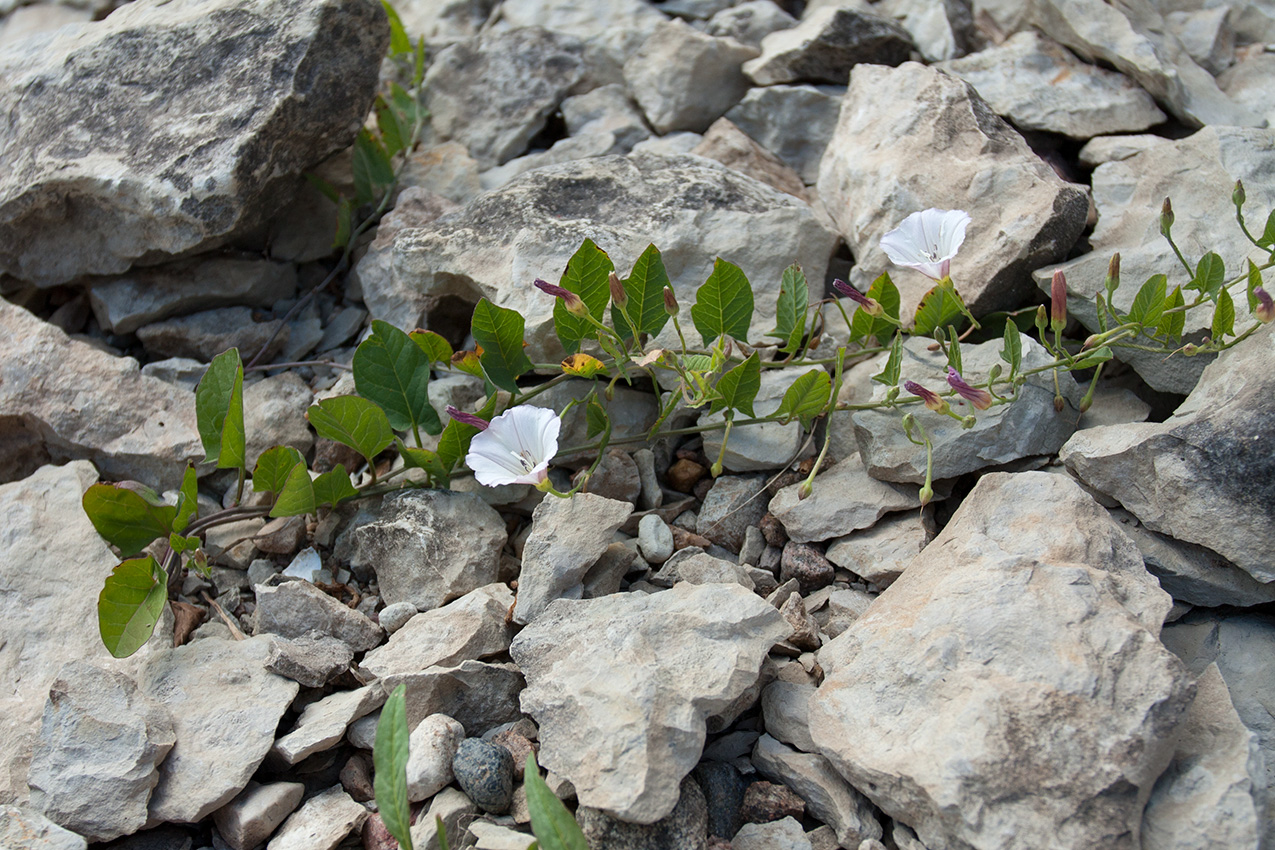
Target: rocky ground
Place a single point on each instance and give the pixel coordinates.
(1073, 647)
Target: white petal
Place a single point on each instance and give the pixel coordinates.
(516, 447)
(926, 240)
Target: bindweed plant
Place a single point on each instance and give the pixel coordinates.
(606, 323)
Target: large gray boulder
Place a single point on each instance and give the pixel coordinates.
(622, 686)
(1010, 684)
(173, 127)
(691, 208)
(1206, 474)
(911, 138)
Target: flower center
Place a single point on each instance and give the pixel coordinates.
(525, 459)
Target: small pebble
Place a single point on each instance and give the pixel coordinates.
(655, 539)
(485, 772)
(807, 565)
(306, 565)
(765, 802)
(394, 617)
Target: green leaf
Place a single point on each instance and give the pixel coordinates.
(724, 304)
(354, 422)
(790, 310)
(437, 349)
(392, 370)
(453, 444)
(187, 500)
(273, 468)
(1254, 281)
(1267, 239)
(126, 518)
(894, 365)
(344, 215)
(806, 398)
(440, 829)
(586, 275)
(418, 63)
(954, 349)
(697, 363)
(394, 135)
(1012, 353)
(500, 333)
(219, 411)
(296, 497)
(1171, 325)
(1093, 358)
(399, 42)
(939, 307)
(405, 107)
(1150, 301)
(180, 544)
(1210, 274)
(426, 460)
(1223, 316)
(130, 604)
(389, 761)
(551, 823)
(324, 187)
(596, 419)
(739, 386)
(333, 487)
(371, 167)
(645, 288)
(863, 325)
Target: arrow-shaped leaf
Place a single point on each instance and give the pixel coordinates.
(130, 604)
(724, 304)
(500, 333)
(354, 422)
(392, 370)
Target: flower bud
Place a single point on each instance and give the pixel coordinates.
(980, 398)
(1190, 350)
(1042, 320)
(1166, 217)
(870, 305)
(1087, 401)
(891, 394)
(927, 493)
(1090, 341)
(804, 491)
(994, 372)
(1113, 273)
(1059, 404)
(1058, 301)
(670, 301)
(1265, 306)
(909, 422)
(618, 296)
(467, 418)
(1237, 194)
(716, 469)
(969, 422)
(570, 300)
(931, 398)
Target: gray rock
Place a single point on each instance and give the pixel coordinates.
(226, 707)
(1243, 648)
(432, 746)
(828, 797)
(590, 144)
(321, 823)
(567, 537)
(310, 660)
(322, 723)
(655, 539)
(606, 109)
(1207, 36)
(695, 566)
(784, 834)
(616, 478)
(443, 23)
(879, 554)
(845, 498)
(684, 79)
(1244, 83)
(95, 762)
(256, 812)
(1102, 149)
(1027, 427)
(1114, 406)
(428, 547)
(1196, 173)
(765, 446)
(44, 622)
(1203, 463)
(723, 789)
(453, 808)
(274, 415)
(1210, 795)
(784, 707)
(468, 628)
(616, 669)
(1038, 648)
(485, 772)
(608, 572)
(478, 695)
(941, 29)
(202, 336)
(651, 496)
(297, 608)
(1136, 40)
(22, 828)
(62, 396)
(910, 138)
(194, 148)
(795, 123)
(1039, 85)
(749, 22)
(396, 616)
(494, 93)
(685, 826)
(689, 207)
(733, 148)
(826, 45)
(632, 413)
(144, 295)
(733, 504)
(26, 21)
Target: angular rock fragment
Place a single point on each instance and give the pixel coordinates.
(472, 627)
(792, 122)
(321, 823)
(256, 812)
(295, 609)
(826, 45)
(322, 724)
(478, 695)
(844, 498)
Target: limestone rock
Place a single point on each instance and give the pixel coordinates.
(622, 686)
(274, 415)
(1038, 84)
(733, 504)
(453, 808)
(432, 745)
(1027, 427)
(1244, 83)
(1136, 40)
(784, 707)
(749, 22)
(794, 123)
(322, 723)
(64, 395)
(1197, 173)
(879, 554)
(844, 498)
(478, 695)
(910, 138)
(1204, 462)
(256, 812)
(941, 29)
(685, 826)
(1049, 708)
(767, 445)
(202, 336)
(100, 742)
(471, 627)
(567, 537)
(732, 147)
(692, 209)
(225, 707)
(826, 45)
(297, 608)
(428, 547)
(194, 147)
(22, 828)
(684, 79)
(784, 834)
(493, 93)
(321, 823)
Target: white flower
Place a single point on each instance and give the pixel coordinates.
(516, 447)
(927, 241)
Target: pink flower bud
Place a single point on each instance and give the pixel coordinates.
(1058, 301)
(467, 418)
(870, 305)
(570, 300)
(931, 399)
(980, 398)
(670, 301)
(618, 295)
(1265, 306)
